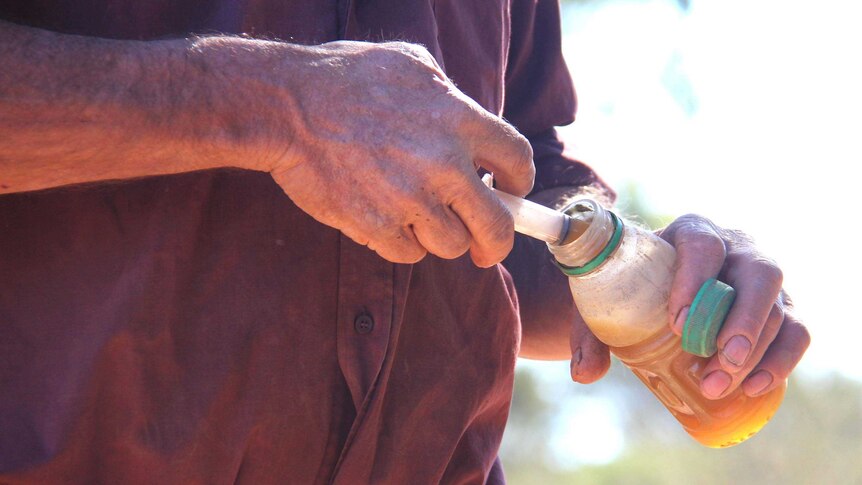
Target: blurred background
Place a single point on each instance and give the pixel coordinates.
(747, 112)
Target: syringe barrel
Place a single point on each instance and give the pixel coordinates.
(536, 220)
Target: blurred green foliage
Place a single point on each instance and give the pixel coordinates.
(632, 204)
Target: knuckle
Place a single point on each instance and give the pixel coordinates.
(451, 249)
(750, 324)
(453, 168)
(783, 365)
(769, 271)
(490, 253)
(407, 47)
(482, 260)
(776, 318)
(456, 179)
(785, 300)
(450, 179)
(411, 257)
(789, 349)
(500, 228)
(408, 248)
(522, 162)
(339, 44)
(693, 220)
(456, 244)
(700, 239)
(802, 336)
(398, 250)
(401, 257)
(411, 53)
(695, 224)
(457, 111)
(712, 245)
(737, 239)
(448, 241)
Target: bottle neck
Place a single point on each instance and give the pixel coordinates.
(579, 249)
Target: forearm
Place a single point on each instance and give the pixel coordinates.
(78, 109)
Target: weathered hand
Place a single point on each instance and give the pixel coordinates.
(376, 141)
(761, 341)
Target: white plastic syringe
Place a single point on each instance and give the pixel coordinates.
(535, 220)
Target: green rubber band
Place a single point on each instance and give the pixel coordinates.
(602, 256)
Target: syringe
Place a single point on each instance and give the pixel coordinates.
(537, 221)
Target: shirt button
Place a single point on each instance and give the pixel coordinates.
(363, 324)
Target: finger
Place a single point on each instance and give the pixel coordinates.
(591, 358)
(778, 362)
(700, 253)
(492, 229)
(441, 232)
(719, 380)
(757, 283)
(500, 149)
(396, 244)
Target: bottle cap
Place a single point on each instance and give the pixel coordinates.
(706, 316)
(616, 237)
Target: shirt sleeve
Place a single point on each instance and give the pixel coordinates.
(540, 95)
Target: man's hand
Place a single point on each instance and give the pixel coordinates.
(761, 341)
(385, 148)
(374, 140)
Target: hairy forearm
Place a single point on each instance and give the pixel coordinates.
(371, 139)
(78, 109)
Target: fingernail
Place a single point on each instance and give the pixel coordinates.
(757, 383)
(577, 357)
(715, 384)
(736, 350)
(679, 323)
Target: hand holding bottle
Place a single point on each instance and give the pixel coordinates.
(637, 294)
(761, 340)
(759, 345)
(622, 278)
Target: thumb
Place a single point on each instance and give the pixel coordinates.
(591, 358)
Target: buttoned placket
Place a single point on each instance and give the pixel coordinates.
(365, 299)
(371, 296)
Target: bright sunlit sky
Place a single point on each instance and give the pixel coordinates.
(748, 112)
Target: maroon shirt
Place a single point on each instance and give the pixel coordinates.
(199, 328)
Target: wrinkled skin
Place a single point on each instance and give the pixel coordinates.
(382, 146)
(761, 340)
(391, 161)
(371, 139)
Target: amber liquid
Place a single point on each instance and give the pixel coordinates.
(674, 377)
(624, 302)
